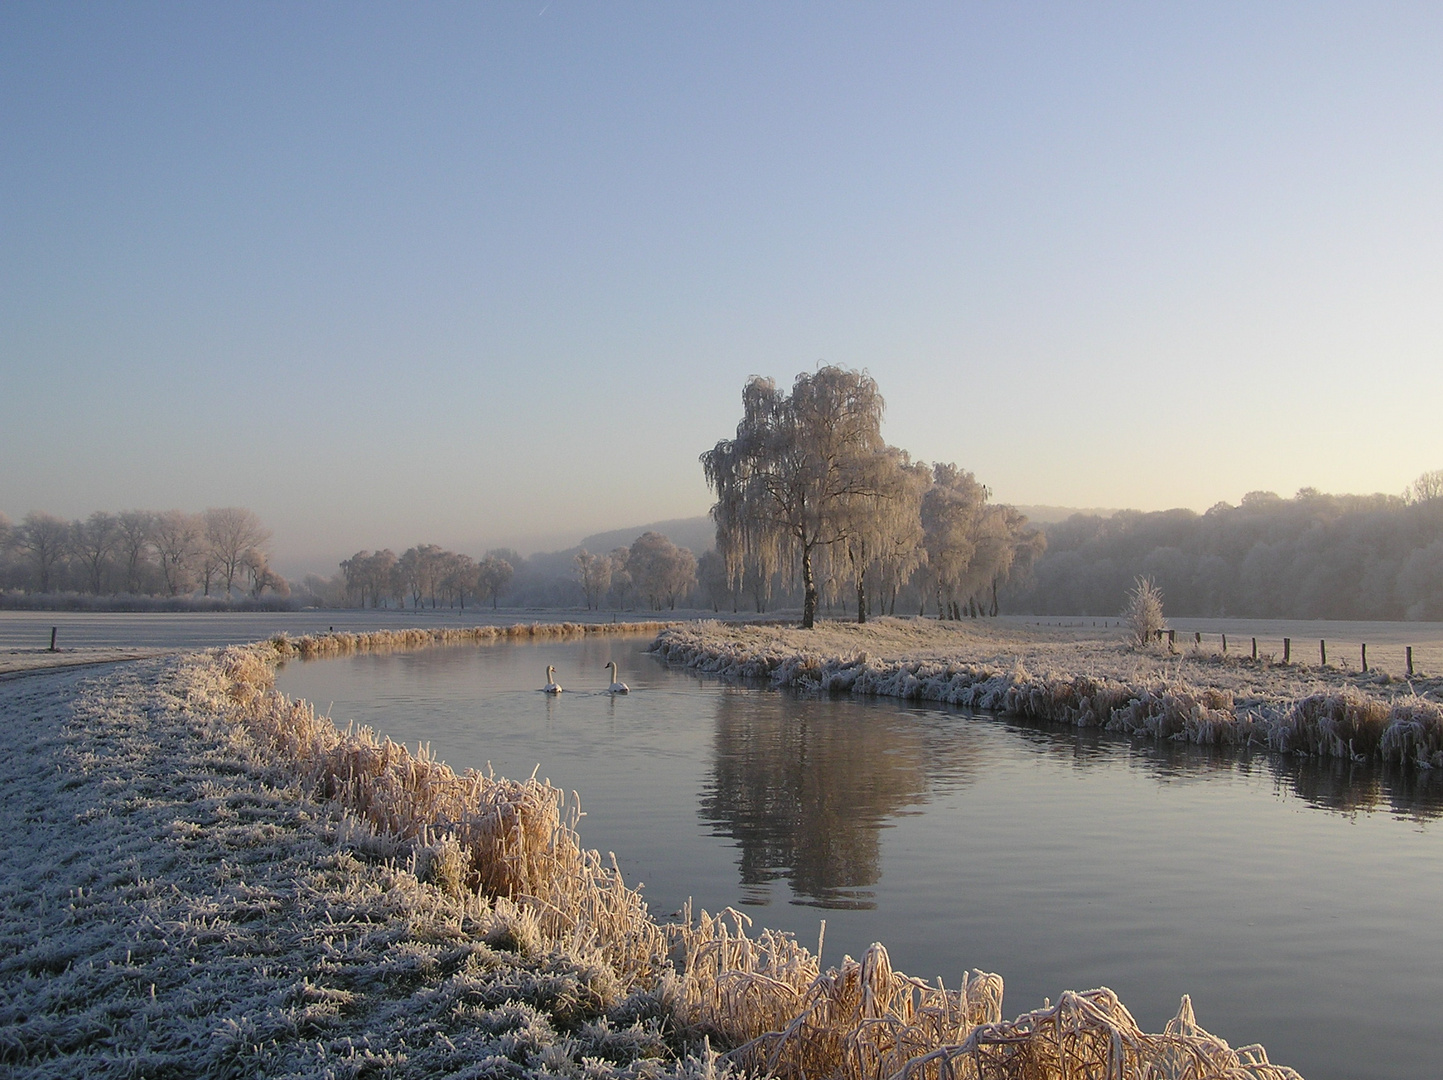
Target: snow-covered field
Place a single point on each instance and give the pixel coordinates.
(202, 878)
(1088, 676)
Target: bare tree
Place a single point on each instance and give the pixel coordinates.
(800, 472)
(353, 574)
(1428, 487)
(178, 542)
(94, 542)
(230, 534)
(257, 568)
(135, 528)
(45, 538)
(660, 570)
(384, 579)
(594, 573)
(458, 575)
(951, 511)
(620, 590)
(716, 583)
(423, 568)
(492, 576)
(886, 539)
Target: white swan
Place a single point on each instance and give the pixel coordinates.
(616, 687)
(552, 686)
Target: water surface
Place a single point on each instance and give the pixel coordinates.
(1295, 903)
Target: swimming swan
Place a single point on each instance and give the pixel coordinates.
(552, 686)
(616, 687)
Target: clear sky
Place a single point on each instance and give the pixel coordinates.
(496, 273)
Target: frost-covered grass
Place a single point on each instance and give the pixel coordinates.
(341, 643)
(1196, 696)
(203, 878)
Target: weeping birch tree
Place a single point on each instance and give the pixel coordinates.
(951, 511)
(971, 545)
(805, 474)
(889, 547)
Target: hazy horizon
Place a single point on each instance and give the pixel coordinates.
(496, 276)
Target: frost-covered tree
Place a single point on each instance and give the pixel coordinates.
(94, 542)
(230, 534)
(493, 575)
(660, 570)
(422, 568)
(1428, 487)
(135, 528)
(1143, 613)
(620, 591)
(45, 539)
(594, 574)
(715, 582)
(952, 509)
(177, 538)
(886, 544)
(459, 578)
(801, 475)
(971, 544)
(260, 576)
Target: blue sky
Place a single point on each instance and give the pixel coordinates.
(483, 274)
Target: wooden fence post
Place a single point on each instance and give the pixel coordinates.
(1323, 651)
(1197, 638)
(1410, 661)
(52, 639)
(1287, 650)
(1225, 643)
(1365, 656)
(1255, 648)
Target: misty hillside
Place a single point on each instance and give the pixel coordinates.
(696, 533)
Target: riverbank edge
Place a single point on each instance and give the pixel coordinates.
(764, 995)
(1347, 722)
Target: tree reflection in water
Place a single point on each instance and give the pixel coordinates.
(805, 786)
(1334, 784)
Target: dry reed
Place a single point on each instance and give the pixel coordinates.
(1092, 1035)
(765, 996)
(338, 643)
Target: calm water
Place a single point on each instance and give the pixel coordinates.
(1297, 905)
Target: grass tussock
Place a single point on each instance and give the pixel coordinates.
(1342, 722)
(1091, 1034)
(339, 643)
(705, 981)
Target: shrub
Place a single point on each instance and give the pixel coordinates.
(1143, 613)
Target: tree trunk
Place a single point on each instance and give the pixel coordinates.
(861, 597)
(809, 591)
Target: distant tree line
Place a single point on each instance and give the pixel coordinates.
(220, 553)
(1314, 556)
(426, 575)
(653, 572)
(810, 497)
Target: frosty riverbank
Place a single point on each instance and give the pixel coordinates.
(203, 878)
(1195, 695)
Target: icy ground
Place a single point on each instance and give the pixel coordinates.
(170, 905)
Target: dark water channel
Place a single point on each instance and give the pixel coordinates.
(1298, 904)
